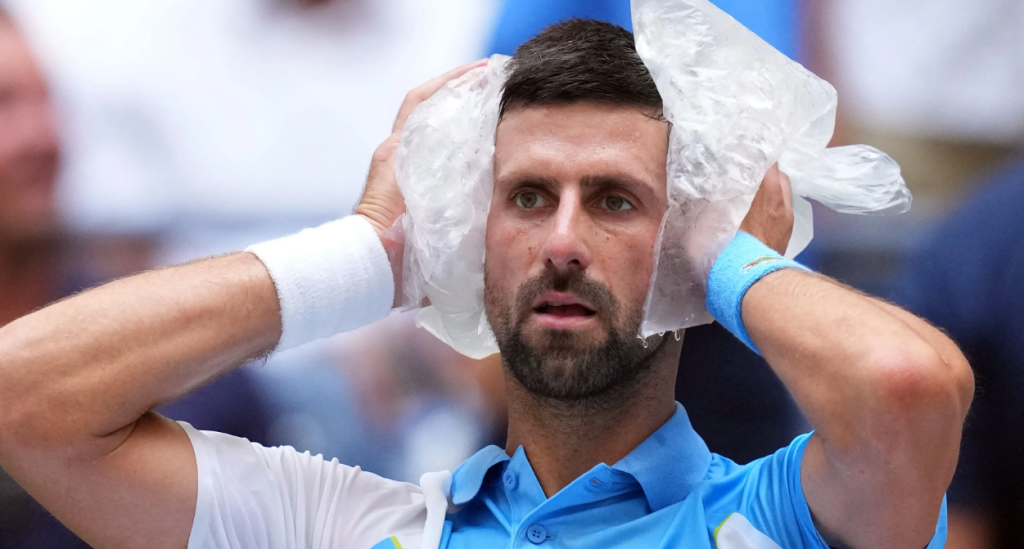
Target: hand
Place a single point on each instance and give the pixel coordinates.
(770, 218)
(382, 202)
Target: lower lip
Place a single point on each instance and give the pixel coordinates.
(559, 322)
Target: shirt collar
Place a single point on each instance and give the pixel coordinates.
(667, 465)
(469, 477)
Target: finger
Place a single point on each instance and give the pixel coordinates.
(787, 190)
(424, 91)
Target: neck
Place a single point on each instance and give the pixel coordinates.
(28, 278)
(563, 440)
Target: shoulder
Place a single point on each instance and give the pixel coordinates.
(254, 496)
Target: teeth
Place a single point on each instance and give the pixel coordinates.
(553, 304)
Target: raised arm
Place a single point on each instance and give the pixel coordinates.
(886, 393)
(78, 380)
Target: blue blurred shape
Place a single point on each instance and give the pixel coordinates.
(776, 21)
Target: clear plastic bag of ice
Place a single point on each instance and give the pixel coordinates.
(445, 168)
(736, 105)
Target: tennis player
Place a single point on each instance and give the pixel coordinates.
(598, 453)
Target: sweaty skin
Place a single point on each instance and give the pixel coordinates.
(886, 392)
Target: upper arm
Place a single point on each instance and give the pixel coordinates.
(141, 494)
(169, 486)
(863, 507)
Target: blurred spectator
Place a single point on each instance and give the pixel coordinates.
(936, 83)
(215, 125)
(732, 397)
(968, 278)
(40, 262)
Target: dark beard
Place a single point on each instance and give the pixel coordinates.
(566, 369)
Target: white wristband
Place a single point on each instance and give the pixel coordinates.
(330, 279)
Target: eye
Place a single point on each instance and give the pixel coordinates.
(529, 200)
(615, 203)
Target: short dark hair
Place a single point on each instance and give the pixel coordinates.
(579, 60)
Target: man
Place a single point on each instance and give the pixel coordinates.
(40, 262)
(739, 407)
(965, 277)
(598, 453)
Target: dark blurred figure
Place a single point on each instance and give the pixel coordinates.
(968, 279)
(29, 156)
(733, 399)
(39, 264)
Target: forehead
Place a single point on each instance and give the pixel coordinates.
(570, 141)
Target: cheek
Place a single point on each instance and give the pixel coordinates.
(510, 254)
(630, 265)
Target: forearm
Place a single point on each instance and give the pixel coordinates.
(886, 395)
(885, 392)
(87, 367)
(859, 368)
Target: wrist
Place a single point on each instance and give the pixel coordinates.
(329, 279)
(742, 263)
(393, 242)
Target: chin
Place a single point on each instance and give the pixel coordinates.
(560, 341)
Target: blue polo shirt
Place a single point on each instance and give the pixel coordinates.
(670, 491)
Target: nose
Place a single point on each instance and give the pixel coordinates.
(565, 248)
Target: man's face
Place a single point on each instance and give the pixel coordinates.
(579, 195)
(29, 150)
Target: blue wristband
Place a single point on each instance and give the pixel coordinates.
(742, 263)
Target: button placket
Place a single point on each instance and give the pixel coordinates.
(511, 480)
(537, 534)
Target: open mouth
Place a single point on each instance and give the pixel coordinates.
(564, 309)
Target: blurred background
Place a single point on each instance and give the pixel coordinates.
(140, 134)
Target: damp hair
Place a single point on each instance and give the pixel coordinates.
(579, 60)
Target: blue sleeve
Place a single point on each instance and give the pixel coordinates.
(768, 493)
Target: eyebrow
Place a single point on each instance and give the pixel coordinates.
(619, 180)
(519, 179)
(588, 182)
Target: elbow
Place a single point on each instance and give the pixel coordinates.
(918, 384)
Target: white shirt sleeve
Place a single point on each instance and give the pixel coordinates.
(253, 497)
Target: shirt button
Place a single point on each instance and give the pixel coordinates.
(511, 481)
(536, 534)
